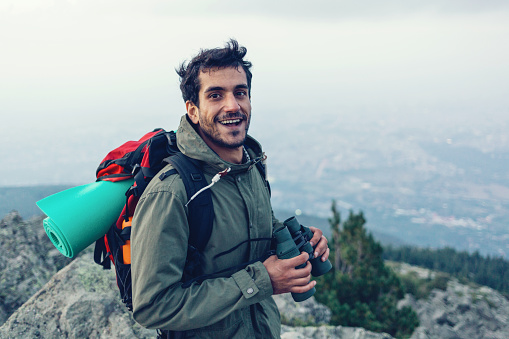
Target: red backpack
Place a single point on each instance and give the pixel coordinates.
(142, 160)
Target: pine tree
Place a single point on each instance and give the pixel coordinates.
(361, 291)
(334, 222)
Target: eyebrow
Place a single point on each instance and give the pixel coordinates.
(211, 89)
(219, 88)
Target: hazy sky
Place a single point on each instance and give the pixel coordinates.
(74, 73)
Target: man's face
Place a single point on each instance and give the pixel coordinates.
(225, 108)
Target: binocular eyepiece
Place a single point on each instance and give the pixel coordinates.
(291, 240)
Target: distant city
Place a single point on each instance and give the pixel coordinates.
(420, 185)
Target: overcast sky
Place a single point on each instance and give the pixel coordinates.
(75, 72)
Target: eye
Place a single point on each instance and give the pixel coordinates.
(241, 93)
(214, 96)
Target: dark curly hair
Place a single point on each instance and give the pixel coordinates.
(230, 56)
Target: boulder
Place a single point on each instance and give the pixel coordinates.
(80, 301)
(461, 311)
(29, 260)
(330, 332)
(307, 312)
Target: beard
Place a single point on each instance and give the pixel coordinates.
(219, 138)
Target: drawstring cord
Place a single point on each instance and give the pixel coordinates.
(221, 174)
(214, 180)
(262, 158)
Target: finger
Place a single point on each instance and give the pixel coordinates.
(325, 256)
(304, 272)
(296, 261)
(304, 288)
(321, 247)
(317, 235)
(289, 284)
(301, 282)
(296, 272)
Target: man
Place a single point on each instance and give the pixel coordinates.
(237, 303)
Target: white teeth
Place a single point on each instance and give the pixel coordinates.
(226, 122)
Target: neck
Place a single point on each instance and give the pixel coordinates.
(233, 156)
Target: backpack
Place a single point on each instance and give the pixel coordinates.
(141, 160)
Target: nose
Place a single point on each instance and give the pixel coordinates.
(231, 105)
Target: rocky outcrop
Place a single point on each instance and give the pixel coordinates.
(461, 311)
(330, 332)
(28, 260)
(300, 320)
(307, 312)
(80, 301)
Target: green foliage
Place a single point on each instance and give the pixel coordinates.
(492, 272)
(296, 322)
(421, 288)
(360, 290)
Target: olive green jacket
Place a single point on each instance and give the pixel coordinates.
(237, 304)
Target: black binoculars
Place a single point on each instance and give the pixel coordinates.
(291, 240)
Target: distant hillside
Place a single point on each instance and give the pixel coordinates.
(484, 270)
(23, 199)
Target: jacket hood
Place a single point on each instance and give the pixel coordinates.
(191, 144)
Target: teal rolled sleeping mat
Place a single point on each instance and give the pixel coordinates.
(78, 216)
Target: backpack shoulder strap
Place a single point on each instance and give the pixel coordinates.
(260, 166)
(201, 211)
(261, 169)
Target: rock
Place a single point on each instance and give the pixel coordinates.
(462, 311)
(80, 301)
(311, 313)
(330, 332)
(29, 259)
(459, 311)
(407, 301)
(307, 312)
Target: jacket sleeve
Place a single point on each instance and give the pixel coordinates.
(158, 249)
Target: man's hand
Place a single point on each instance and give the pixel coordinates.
(320, 241)
(286, 278)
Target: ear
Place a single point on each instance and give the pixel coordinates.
(192, 112)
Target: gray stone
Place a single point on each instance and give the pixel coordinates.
(463, 311)
(330, 332)
(80, 301)
(29, 259)
(302, 313)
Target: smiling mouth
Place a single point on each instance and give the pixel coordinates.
(231, 122)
